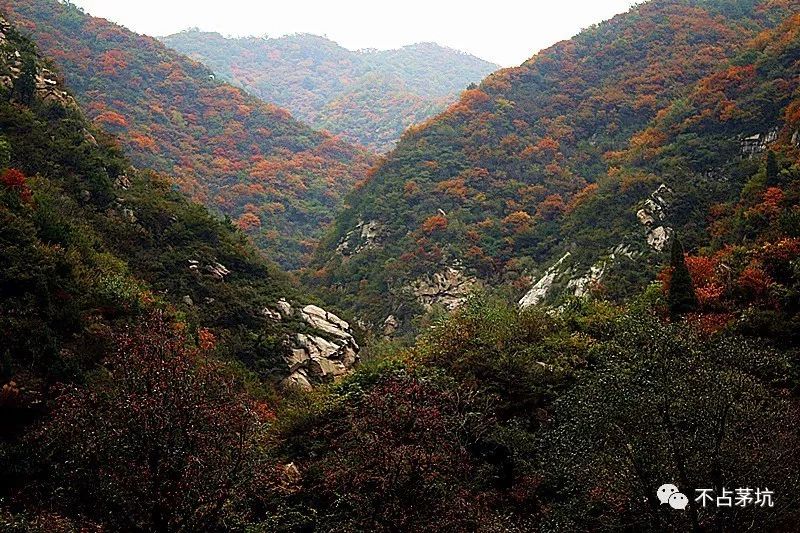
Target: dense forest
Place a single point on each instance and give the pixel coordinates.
(369, 97)
(278, 179)
(497, 189)
(159, 372)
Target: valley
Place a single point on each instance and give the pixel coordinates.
(558, 289)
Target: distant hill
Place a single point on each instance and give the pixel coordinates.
(369, 97)
(277, 178)
(525, 182)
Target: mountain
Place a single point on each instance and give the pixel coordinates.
(489, 193)
(90, 243)
(368, 97)
(142, 341)
(107, 272)
(278, 179)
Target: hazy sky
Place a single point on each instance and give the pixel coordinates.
(503, 31)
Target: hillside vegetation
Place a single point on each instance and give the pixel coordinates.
(276, 178)
(155, 379)
(496, 188)
(369, 97)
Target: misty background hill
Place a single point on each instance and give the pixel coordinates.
(368, 96)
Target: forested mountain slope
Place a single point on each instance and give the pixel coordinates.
(369, 97)
(141, 339)
(91, 246)
(489, 192)
(278, 179)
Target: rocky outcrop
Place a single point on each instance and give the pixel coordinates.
(322, 356)
(542, 286)
(46, 86)
(651, 216)
(449, 288)
(390, 326)
(365, 235)
(216, 270)
(581, 286)
(658, 237)
(572, 284)
(758, 142)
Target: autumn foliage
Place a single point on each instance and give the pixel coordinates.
(224, 148)
(165, 437)
(14, 180)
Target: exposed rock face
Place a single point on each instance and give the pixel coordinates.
(365, 235)
(652, 214)
(47, 87)
(390, 326)
(758, 142)
(542, 286)
(581, 286)
(449, 288)
(269, 314)
(216, 270)
(123, 181)
(315, 358)
(284, 308)
(657, 238)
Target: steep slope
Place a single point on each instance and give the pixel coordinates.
(482, 193)
(369, 97)
(717, 165)
(90, 244)
(280, 180)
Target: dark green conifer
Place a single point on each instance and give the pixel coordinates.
(772, 169)
(681, 297)
(24, 87)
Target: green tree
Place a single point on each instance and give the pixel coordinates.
(661, 405)
(5, 153)
(772, 169)
(681, 297)
(25, 85)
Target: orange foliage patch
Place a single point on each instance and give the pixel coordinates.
(110, 118)
(454, 187)
(248, 222)
(434, 223)
(551, 207)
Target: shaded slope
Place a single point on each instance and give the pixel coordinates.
(89, 244)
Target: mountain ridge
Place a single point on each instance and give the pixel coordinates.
(331, 87)
(484, 188)
(244, 158)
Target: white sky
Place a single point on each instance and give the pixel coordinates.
(503, 31)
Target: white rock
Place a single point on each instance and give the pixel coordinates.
(217, 271)
(271, 315)
(644, 217)
(327, 322)
(285, 308)
(364, 236)
(449, 288)
(580, 286)
(390, 325)
(540, 289)
(657, 238)
(299, 379)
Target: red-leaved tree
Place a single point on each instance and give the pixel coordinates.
(163, 440)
